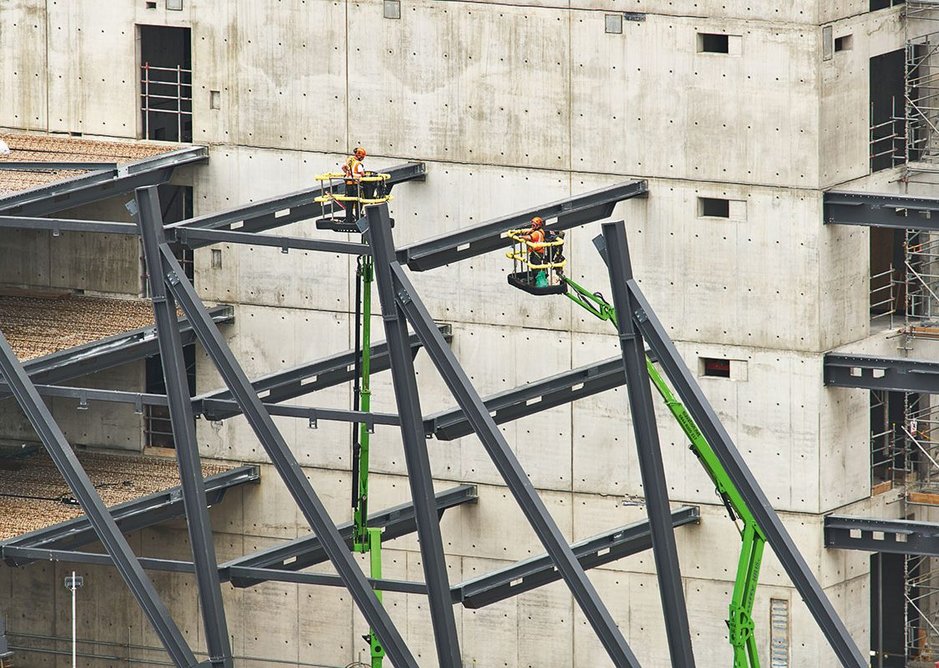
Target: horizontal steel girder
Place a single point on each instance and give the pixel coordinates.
(307, 551)
(130, 516)
(40, 166)
(281, 210)
(881, 210)
(198, 237)
(539, 571)
(56, 225)
(881, 373)
(106, 353)
(100, 184)
(490, 235)
(874, 535)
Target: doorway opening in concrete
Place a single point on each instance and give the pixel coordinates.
(165, 83)
(887, 110)
(888, 646)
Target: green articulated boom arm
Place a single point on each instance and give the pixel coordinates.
(740, 619)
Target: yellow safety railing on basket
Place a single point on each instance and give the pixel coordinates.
(368, 189)
(523, 249)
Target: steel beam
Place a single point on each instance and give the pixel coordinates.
(104, 525)
(540, 571)
(651, 467)
(510, 469)
(101, 184)
(417, 458)
(490, 235)
(198, 238)
(776, 535)
(54, 166)
(881, 210)
(57, 225)
(897, 374)
(130, 516)
(282, 210)
(876, 535)
(182, 419)
(308, 551)
(284, 461)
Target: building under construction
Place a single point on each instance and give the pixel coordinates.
(259, 411)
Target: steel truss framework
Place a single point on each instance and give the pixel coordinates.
(402, 306)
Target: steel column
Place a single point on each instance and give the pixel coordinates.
(150, 221)
(651, 467)
(509, 467)
(710, 425)
(107, 531)
(415, 443)
(284, 461)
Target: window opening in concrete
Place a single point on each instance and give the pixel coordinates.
(613, 24)
(716, 367)
(844, 43)
(887, 115)
(157, 427)
(887, 610)
(714, 207)
(885, 4)
(713, 43)
(887, 294)
(166, 83)
(151, 5)
(778, 633)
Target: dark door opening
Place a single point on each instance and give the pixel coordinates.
(888, 646)
(166, 83)
(887, 109)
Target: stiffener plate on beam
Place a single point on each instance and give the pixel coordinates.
(874, 535)
(881, 373)
(881, 210)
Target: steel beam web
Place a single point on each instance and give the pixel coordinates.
(284, 461)
(710, 425)
(99, 517)
(509, 467)
(150, 220)
(651, 468)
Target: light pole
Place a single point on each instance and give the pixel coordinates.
(72, 583)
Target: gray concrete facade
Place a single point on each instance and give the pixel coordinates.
(510, 104)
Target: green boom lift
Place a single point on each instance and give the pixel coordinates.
(538, 270)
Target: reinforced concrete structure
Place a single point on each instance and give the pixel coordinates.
(774, 167)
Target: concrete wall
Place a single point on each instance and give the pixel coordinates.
(512, 104)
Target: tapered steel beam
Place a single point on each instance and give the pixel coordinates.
(507, 464)
(684, 383)
(651, 467)
(284, 461)
(417, 459)
(106, 529)
(182, 419)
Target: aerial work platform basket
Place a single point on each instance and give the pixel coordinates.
(343, 198)
(537, 266)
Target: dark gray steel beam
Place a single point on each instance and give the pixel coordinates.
(876, 535)
(56, 225)
(417, 458)
(284, 461)
(284, 209)
(101, 184)
(540, 571)
(490, 235)
(109, 352)
(693, 398)
(183, 421)
(40, 166)
(198, 238)
(881, 210)
(104, 525)
(881, 373)
(308, 551)
(651, 467)
(132, 515)
(511, 471)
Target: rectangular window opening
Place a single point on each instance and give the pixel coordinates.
(713, 43)
(844, 43)
(716, 367)
(165, 83)
(714, 207)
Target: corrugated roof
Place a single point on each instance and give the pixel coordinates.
(37, 147)
(35, 496)
(37, 326)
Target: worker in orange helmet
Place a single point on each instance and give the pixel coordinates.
(354, 169)
(536, 253)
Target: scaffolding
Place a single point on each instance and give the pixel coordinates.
(921, 610)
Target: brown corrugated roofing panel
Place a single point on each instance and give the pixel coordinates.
(37, 326)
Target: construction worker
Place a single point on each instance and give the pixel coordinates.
(536, 253)
(354, 169)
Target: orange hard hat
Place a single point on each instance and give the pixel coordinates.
(359, 152)
(537, 221)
